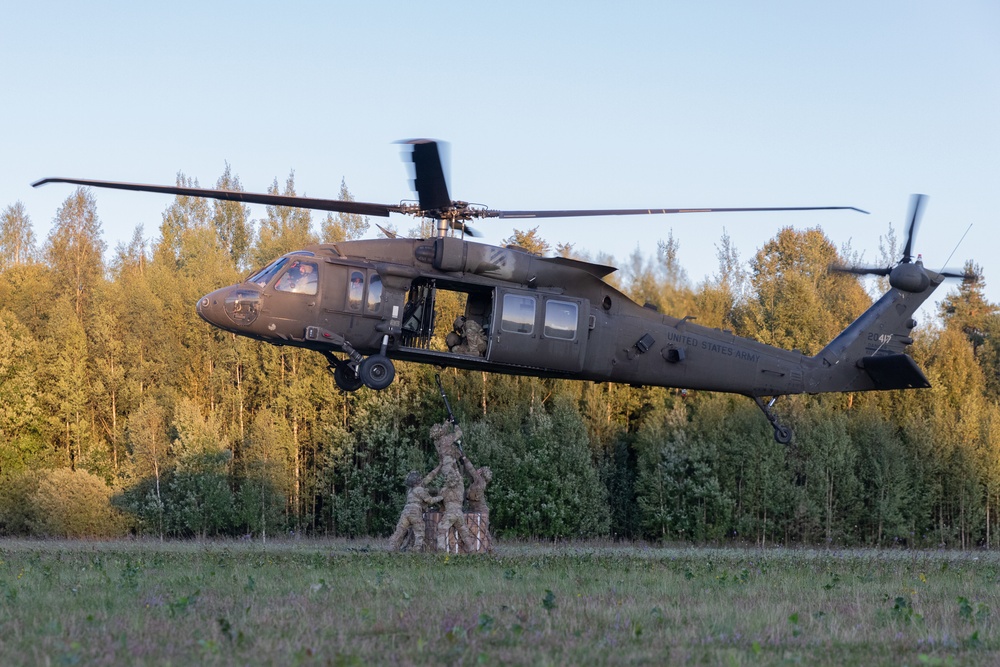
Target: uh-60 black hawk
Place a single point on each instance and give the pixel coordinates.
(364, 303)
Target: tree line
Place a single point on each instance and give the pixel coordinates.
(121, 411)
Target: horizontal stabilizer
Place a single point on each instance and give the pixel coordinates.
(894, 371)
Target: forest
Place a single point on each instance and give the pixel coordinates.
(121, 412)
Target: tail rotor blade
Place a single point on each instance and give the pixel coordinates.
(965, 276)
(917, 205)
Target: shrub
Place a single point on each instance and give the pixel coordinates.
(74, 503)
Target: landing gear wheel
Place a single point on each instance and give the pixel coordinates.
(346, 378)
(782, 434)
(377, 371)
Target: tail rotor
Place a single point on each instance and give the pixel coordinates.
(908, 274)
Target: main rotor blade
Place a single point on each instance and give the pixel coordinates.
(653, 211)
(430, 183)
(917, 205)
(360, 208)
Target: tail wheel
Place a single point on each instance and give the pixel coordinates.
(377, 371)
(346, 378)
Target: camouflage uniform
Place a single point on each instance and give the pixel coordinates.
(475, 495)
(473, 338)
(475, 502)
(453, 493)
(417, 498)
(445, 435)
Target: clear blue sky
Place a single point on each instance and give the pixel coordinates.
(546, 105)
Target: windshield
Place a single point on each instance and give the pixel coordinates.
(263, 277)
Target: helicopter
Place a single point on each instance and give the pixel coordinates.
(364, 304)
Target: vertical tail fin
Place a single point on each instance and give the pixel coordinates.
(869, 354)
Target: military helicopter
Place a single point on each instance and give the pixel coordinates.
(365, 303)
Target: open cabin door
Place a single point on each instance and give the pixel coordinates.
(419, 315)
(538, 330)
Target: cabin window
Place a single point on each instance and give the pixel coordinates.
(355, 290)
(518, 314)
(263, 277)
(300, 278)
(374, 301)
(560, 319)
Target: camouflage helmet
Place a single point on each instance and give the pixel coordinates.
(412, 479)
(486, 473)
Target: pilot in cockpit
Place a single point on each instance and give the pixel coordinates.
(300, 278)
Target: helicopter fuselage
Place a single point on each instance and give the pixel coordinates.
(545, 317)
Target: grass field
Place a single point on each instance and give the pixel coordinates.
(320, 602)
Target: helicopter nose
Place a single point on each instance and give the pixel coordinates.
(228, 306)
(210, 308)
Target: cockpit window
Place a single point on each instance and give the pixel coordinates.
(300, 278)
(263, 277)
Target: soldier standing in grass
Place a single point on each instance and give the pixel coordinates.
(446, 437)
(475, 498)
(453, 493)
(417, 498)
(475, 495)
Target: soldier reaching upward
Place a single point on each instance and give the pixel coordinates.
(445, 437)
(475, 501)
(417, 498)
(475, 495)
(453, 492)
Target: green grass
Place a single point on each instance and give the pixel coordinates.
(346, 603)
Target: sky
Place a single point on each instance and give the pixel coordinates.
(545, 106)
